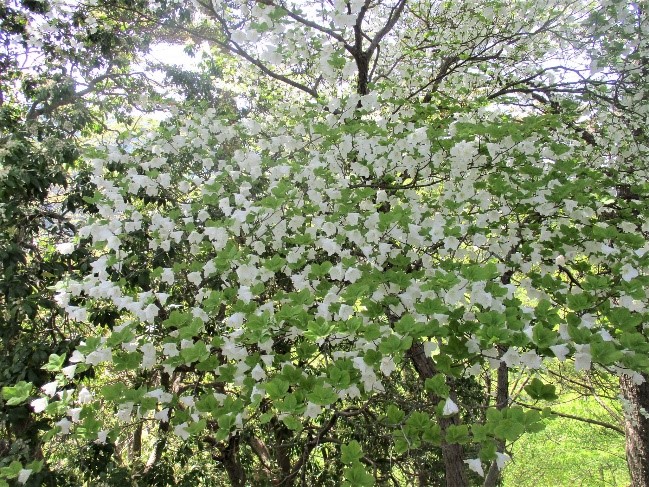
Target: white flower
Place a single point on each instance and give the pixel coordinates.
(312, 410)
(475, 465)
(162, 415)
(187, 401)
(148, 355)
(450, 408)
(124, 412)
(560, 351)
(74, 414)
(65, 248)
(258, 373)
(160, 395)
(50, 388)
(245, 294)
(77, 357)
(511, 357)
(101, 437)
(23, 475)
(150, 312)
(582, 357)
(352, 274)
(64, 424)
(337, 273)
(502, 459)
(85, 396)
(170, 349)
(69, 371)
(531, 360)
(103, 354)
(167, 276)
(181, 430)
(628, 272)
(387, 365)
(39, 404)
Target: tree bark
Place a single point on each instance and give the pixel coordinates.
(636, 427)
(502, 400)
(282, 452)
(452, 453)
(232, 463)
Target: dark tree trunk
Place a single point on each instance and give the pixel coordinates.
(282, 452)
(452, 453)
(502, 400)
(232, 464)
(363, 66)
(636, 428)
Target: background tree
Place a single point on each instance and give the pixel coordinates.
(63, 72)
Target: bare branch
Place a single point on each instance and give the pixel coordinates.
(578, 418)
(392, 20)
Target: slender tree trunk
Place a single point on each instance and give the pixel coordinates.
(452, 453)
(502, 399)
(163, 430)
(636, 427)
(136, 446)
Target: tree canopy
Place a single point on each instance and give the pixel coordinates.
(359, 245)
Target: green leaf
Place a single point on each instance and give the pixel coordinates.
(509, 429)
(457, 434)
(17, 394)
(578, 302)
(431, 306)
(357, 476)
(394, 414)
(351, 452)
(605, 353)
(437, 385)
(487, 451)
(54, 363)
(207, 404)
(401, 446)
(479, 433)
(322, 396)
(196, 353)
(292, 423)
(537, 390)
(432, 434)
(196, 428)
(417, 423)
(190, 330)
(319, 328)
(35, 466)
(276, 388)
(113, 392)
(127, 360)
(393, 345)
(12, 471)
(125, 335)
(543, 337)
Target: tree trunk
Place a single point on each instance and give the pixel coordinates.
(636, 427)
(282, 452)
(502, 400)
(232, 464)
(452, 453)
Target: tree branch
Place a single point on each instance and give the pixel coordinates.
(603, 424)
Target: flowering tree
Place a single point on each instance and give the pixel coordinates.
(334, 287)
